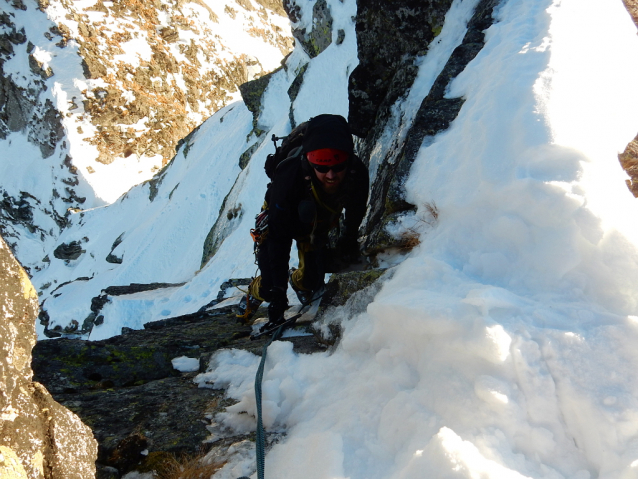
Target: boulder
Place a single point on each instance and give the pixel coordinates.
(40, 438)
(69, 251)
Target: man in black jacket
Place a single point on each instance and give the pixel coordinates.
(304, 202)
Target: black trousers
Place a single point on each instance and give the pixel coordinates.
(308, 277)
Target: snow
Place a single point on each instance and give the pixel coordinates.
(430, 66)
(136, 50)
(99, 183)
(503, 345)
(185, 364)
(161, 240)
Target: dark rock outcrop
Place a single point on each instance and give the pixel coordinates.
(293, 91)
(167, 415)
(317, 36)
(68, 365)
(390, 36)
(69, 251)
(40, 438)
(18, 211)
(27, 107)
(347, 294)
(387, 200)
(111, 258)
(230, 214)
(126, 389)
(95, 318)
(252, 93)
(21, 109)
(314, 39)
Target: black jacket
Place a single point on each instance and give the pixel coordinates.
(296, 212)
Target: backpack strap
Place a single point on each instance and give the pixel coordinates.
(293, 155)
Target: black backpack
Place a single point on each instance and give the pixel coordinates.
(290, 147)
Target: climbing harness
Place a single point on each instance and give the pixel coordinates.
(260, 231)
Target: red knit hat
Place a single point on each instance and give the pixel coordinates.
(327, 156)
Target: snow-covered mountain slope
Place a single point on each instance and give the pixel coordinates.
(503, 345)
(98, 94)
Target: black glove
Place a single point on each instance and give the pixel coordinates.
(348, 249)
(278, 305)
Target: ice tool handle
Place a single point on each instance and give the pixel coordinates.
(275, 139)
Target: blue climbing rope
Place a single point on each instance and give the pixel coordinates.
(260, 438)
(260, 433)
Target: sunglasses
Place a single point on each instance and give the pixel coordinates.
(339, 167)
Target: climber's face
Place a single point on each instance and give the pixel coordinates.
(332, 179)
(330, 167)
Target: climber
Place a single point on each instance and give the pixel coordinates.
(304, 202)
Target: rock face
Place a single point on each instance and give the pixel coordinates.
(40, 438)
(19, 102)
(347, 294)
(27, 108)
(209, 76)
(127, 390)
(390, 35)
(317, 36)
(187, 75)
(387, 201)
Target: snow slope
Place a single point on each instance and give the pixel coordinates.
(171, 65)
